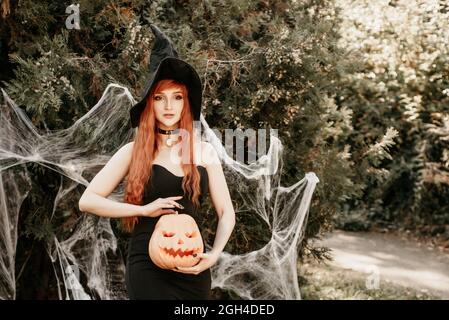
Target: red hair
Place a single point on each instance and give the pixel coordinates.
(145, 150)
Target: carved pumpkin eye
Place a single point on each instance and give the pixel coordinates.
(168, 234)
(191, 234)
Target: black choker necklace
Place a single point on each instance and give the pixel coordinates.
(169, 141)
(174, 131)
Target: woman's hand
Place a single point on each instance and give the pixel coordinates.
(207, 260)
(159, 207)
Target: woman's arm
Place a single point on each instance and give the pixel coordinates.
(94, 199)
(220, 196)
(101, 206)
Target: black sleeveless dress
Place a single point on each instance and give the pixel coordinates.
(144, 279)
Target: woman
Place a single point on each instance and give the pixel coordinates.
(168, 172)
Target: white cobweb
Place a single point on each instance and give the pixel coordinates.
(90, 251)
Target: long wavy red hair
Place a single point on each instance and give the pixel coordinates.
(145, 150)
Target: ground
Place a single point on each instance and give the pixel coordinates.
(372, 265)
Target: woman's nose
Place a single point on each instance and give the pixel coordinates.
(168, 105)
(180, 241)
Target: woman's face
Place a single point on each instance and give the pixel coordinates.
(168, 105)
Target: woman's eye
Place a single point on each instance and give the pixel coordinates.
(190, 235)
(168, 234)
(159, 98)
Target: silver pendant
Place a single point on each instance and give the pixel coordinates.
(169, 142)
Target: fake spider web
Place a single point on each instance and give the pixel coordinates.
(90, 251)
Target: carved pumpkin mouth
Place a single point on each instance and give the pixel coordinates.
(179, 252)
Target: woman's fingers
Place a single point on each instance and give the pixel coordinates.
(191, 270)
(167, 202)
(167, 211)
(201, 255)
(174, 198)
(174, 203)
(177, 270)
(163, 203)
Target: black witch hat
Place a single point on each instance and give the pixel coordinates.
(165, 64)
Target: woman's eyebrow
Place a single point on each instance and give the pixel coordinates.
(173, 92)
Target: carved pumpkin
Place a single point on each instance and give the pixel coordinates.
(175, 239)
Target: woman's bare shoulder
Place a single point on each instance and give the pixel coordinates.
(125, 151)
(128, 147)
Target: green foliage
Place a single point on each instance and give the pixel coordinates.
(403, 86)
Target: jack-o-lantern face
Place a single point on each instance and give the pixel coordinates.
(175, 239)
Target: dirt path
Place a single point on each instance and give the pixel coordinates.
(391, 258)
